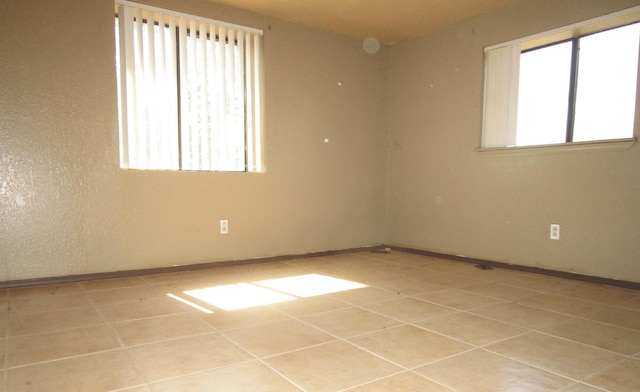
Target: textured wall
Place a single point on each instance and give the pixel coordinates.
(66, 207)
(445, 196)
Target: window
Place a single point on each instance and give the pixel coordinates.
(188, 91)
(576, 84)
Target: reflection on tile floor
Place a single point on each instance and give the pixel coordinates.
(350, 322)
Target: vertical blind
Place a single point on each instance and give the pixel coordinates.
(190, 95)
(502, 66)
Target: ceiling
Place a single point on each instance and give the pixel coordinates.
(388, 21)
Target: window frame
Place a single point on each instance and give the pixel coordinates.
(504, 137)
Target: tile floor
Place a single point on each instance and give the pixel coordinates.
(356, 322)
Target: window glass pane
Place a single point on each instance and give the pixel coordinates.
(607, 75)
(543, 95)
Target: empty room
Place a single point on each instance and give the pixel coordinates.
(344, 195)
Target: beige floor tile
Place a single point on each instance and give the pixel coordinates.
(141, 388)
(365, 295)
(104, 371)
(524, 316)
(125, 294)
(557, 355)
(458, 299)
(4, 301)
(405, 382)
(29, 349)
(481, 371)
(4, 325)
(471, 328)
(410, 287)
(142, 308)
(277, 337)
(49, 302)
(104, 284)
(441, 278)
(406, 259)
(249, 376)
(581, 388)
(274, 270)
(462, 268)
(350, 322)
(180, 357)
(617, 316)
(499, 291)
(3, 362)
(597, 293)
(224, 320)
(624, 377)
(157, 329)
(541, 283)
(408, 309)
(605, 336)
(305, 306)
(631, 304)
(28, 323)
(172, 277)
(44, 290)
(561, 304)
(409, 346)
(331, 367)
(368, 276)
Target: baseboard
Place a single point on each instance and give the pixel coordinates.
(231, 263)
(535, 270)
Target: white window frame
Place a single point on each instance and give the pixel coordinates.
(502, 64)
(159, 130)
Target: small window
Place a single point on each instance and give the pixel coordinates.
(188, 91)
(579, 89)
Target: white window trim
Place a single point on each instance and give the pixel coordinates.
(499, 125)
(597, 145)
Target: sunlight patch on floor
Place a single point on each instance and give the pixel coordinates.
(238, 296)
(264, 292)
(310, 285)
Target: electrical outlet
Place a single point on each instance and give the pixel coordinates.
(224, 226)
(554, 232)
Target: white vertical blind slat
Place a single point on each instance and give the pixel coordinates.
(137, 141)
(171, 95)
(151, 140)
(127, 90)
(256, 114)
(501, 96)
(249, 101)
(222, 86)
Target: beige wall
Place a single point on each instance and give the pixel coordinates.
(401, 166)
(66, 208)
(446, 197)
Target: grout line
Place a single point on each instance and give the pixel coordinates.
(544, 369)
(264, 363)
(120, 342)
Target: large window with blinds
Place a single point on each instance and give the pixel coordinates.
(189, 92)
(576, 84)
